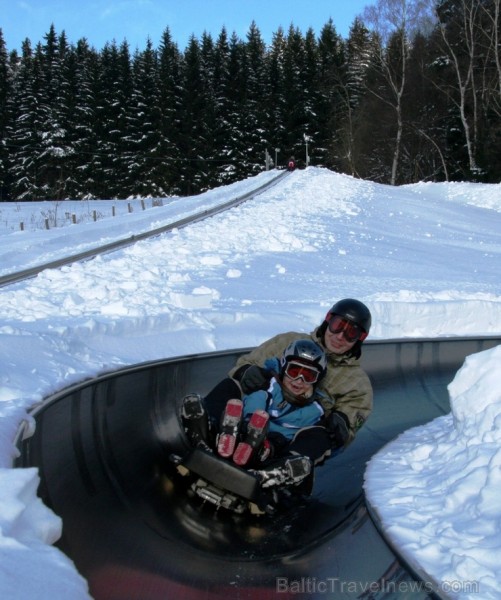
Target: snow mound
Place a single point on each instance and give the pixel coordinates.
(26, 529)
(437, 487)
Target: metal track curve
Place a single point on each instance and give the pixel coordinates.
(132, 239)
(101, 447)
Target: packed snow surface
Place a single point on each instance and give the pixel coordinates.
(425, 258)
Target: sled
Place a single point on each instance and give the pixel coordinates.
(225, 485)
(228, 486)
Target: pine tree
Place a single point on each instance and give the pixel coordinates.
(295, 116)
(332, 107)
(171, 109)
(25, 135)
(359, 56)
(387, 104)
(54, 144)
(237, 107)
(76, 116)
(145, 127)
(193, 129)
(114, 153)
(83, 118)
(275, 99)
(255, 110)
(224, 131)
(315, 131)
(5, 92)
(207, 142)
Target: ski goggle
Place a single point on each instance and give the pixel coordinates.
(351, 331)
(295, 370)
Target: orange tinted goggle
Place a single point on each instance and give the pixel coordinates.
(295, 370)
(351, 331)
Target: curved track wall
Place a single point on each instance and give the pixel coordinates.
(102, 449)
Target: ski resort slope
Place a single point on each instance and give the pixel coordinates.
(424, 258)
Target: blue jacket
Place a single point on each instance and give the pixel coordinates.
(285, 418)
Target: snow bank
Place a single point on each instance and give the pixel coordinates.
(438, 487)
(29, 566)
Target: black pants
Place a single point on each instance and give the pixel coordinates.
(216, 399)
(313, 442)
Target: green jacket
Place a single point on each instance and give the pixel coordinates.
(345, 388)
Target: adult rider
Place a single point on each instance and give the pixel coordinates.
(345, 392)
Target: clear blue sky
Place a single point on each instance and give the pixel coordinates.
(102, 21)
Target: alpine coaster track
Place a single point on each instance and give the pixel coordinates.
(102, 450)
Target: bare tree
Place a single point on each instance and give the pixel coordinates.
(394, 22)
(496, 26)
(459, 36)
(491, 12)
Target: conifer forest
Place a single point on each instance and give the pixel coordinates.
(412, 94)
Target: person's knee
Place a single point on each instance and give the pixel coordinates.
(313, 442)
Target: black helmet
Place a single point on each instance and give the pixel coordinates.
(305, 352)
(354, 310)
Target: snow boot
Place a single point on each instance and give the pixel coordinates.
(196, 421)
(254, 439)
(291, 470)
(230, 426)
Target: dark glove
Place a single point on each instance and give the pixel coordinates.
(337, 425)
(252, 378)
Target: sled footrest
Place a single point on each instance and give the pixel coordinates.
(222, 473)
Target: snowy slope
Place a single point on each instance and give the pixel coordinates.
(425, 258)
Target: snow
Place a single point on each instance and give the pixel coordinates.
(425, 258)
(448, 477)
